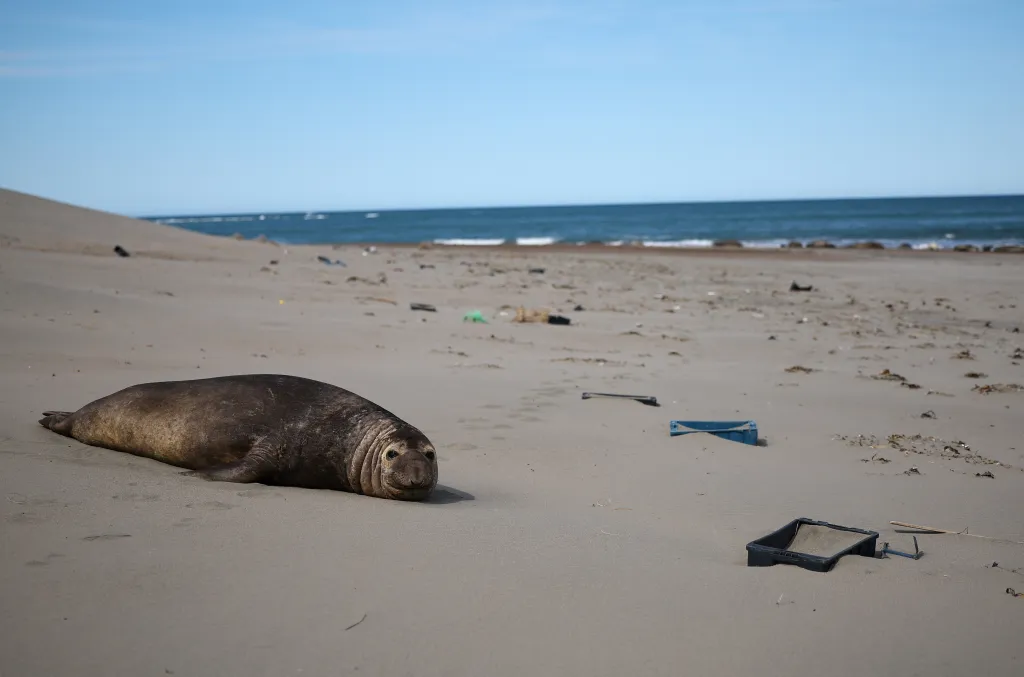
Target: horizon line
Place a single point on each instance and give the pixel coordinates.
(570, 205)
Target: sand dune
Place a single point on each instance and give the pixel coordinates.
(569, 536)
(29, 222)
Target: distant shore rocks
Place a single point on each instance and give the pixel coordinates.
(728, 243)
(865, 245)
(820, 244)
(1009, 249)
(795, 244)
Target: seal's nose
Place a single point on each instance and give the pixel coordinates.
(419, 476)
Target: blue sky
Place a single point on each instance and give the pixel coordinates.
(208, 106)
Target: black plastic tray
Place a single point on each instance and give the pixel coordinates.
(771, 549)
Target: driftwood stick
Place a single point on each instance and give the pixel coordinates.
(933, 530)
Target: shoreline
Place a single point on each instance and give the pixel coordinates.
(599, 248)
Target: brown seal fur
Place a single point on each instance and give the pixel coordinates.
(266, 428)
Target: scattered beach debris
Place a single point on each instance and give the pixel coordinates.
(793, 286)
(912, 470)
(327, 261)
(744, 432)
(924, 446)
(797, 369)
(106, 537)
(1018, 354)
(423, 306)
(649, 400)
(998, 388)
(381, 279)
(600, 361)
(537, 271)
(933, 530)
(940, 393)
(886, 375)
(538, 316)
(810, 544)
(369, 250)
(987, 473)
(1013, 593)
(424, 266)
(975, 374)
(524, 315)
(964, 354)
(875, 458)
(886, 550)
(121, 251)
(474, 316)
(356, 623)
(379, 299)
(928, 414)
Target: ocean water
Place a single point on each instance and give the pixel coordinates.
(921, 222)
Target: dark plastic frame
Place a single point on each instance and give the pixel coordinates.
(770, 550)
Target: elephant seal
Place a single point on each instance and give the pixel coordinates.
(266, 428)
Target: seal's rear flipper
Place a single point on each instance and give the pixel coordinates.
(54, 420)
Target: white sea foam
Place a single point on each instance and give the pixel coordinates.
(764, 244)
(535, 241)
(678, 243)
(469, 242)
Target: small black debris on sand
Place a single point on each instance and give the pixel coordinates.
(797, 369)
(964, 355)
(975, 374)
(987, 473)
(121, 251)
(928, 414)
(793, 286)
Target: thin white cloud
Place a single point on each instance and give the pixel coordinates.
(103, 46)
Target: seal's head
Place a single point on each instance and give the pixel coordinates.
(408, 468)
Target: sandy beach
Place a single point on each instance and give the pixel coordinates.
(567, 536)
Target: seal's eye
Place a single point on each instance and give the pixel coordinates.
(391, 455)
(429, 455)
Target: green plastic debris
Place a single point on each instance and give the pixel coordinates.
(474, 316)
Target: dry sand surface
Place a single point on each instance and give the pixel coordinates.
(567, 536)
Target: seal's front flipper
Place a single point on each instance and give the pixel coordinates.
(242, 471)
(255, 466)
